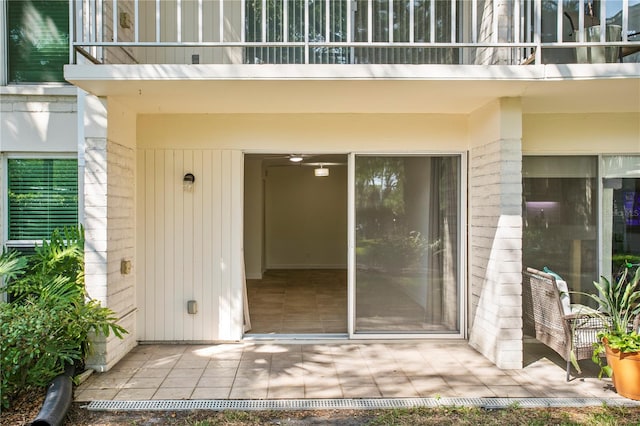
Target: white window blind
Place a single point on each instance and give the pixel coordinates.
(43, 196)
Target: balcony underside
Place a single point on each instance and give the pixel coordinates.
(360, 88)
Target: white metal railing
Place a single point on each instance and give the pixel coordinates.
(354, 31)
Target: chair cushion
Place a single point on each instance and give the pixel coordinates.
(577, 308)
(563, 289)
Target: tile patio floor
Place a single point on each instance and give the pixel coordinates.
(252, 370)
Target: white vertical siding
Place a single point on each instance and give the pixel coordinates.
(226, 310)
(175, 249)
(187, 245)
(211, 283)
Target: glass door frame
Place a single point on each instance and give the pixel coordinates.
(463, 252)
(604, 246)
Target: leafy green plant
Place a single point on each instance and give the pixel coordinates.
(619, 306)
(397, 252)
(47, 324)
(11, 265)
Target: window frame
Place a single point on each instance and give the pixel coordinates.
(595, 174)
(606, 171)
(5, 43)
(464, 301)
(4, 192)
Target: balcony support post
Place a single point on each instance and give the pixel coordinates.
(306, 31)
(136, 20)
(538, 29)
(114, 20)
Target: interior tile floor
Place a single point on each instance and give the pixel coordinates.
(334, 369)
(314, 301)
(298, 302)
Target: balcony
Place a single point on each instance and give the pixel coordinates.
(343, 32)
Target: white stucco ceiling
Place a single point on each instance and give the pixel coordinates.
(361, 89)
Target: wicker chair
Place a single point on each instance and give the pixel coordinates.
(544, 317)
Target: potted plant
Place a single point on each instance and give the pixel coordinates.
(619, 306)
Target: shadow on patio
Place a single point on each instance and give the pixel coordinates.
(427, 369)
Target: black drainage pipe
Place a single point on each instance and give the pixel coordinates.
(57, 402)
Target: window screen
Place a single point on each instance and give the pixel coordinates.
(43, 195)
(38, 40)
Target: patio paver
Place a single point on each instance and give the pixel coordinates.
(254, 370)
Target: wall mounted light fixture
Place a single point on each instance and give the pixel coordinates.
(188, 181)
(125, 20)
(295, 158)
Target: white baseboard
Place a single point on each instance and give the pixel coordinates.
(255, 276)
(307, 266)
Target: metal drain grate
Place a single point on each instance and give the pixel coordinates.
(353, 404)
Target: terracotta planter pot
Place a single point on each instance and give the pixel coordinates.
(626, 372)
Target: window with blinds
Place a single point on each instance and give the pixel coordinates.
(43, 195)
(38, 40)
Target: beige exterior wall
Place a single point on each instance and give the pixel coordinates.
(495, 232)
(317, 133)
(38, 120)
(593, 133)
(109, 191)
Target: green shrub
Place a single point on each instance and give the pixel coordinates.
(46, 325)
(395, 253)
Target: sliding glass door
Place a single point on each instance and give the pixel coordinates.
(560, 219)
(621, 213)
(406, 258)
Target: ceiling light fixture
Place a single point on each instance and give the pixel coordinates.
(321, 171)
(296, 158)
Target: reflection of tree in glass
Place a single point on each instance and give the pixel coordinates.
(38, 40)
(379, 195)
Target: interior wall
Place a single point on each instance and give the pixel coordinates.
(305, 218)
(253, 218)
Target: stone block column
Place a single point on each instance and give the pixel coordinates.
(495, 232)
(108, 156)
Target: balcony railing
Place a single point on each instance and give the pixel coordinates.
(481, 32)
